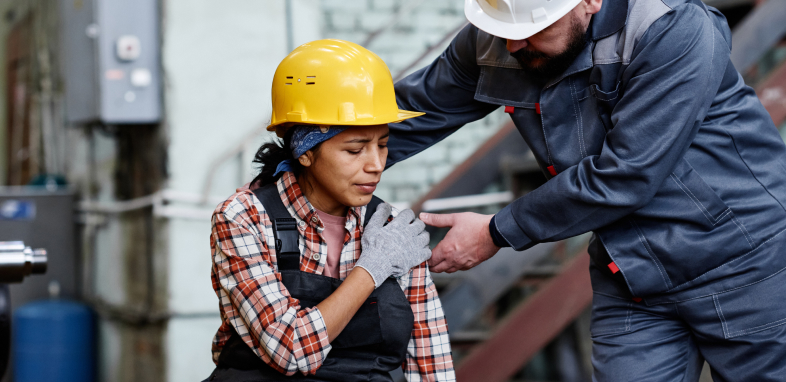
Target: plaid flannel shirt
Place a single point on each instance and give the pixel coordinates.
(254, 302)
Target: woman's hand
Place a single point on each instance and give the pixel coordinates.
(388, 250)
(395, 248)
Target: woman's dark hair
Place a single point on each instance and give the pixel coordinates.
(272, 153)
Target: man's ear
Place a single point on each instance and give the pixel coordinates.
(306, 159)
(593, 6)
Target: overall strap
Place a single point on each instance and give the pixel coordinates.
(284, 228)
(371, 208)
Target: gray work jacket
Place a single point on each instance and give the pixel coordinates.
(651, 139)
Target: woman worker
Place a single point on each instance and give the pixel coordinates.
(300, 266)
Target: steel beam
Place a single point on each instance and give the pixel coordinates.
(481, 168)
(483, 285)
(531, 326)
(757, 33)
(431, 49)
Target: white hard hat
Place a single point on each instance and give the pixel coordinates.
(516, 19)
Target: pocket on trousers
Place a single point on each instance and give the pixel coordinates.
(753, 308)
(610, 315)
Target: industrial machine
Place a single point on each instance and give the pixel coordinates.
(17, 261)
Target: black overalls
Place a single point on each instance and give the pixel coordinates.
(372, 344)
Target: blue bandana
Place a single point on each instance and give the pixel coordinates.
(304, 138)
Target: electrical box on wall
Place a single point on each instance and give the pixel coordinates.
(110, 51)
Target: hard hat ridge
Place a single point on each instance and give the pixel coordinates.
(333, 82)
(516, 19)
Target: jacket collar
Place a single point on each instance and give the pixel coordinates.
(610, 19)
(582, 62)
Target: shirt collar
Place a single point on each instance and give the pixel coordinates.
(295, 201)
(610, 19)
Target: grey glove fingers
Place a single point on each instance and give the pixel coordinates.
(404, 217)
(422, 240)
(413, 259)
(424, 254)
(417, 226)
(380, 216)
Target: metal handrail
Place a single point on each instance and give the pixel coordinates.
(232, 152)
(392, 22)
(431, 49)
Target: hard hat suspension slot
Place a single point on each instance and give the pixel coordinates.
(355, 88)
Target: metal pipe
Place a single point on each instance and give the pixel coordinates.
(290, 31)
(18, 261)
(468, 201)
(233, 151)
(428, 51)
(402, 11)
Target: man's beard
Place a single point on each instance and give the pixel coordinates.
(552, 66)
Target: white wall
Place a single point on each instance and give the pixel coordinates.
(219, 59)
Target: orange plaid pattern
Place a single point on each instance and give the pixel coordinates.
(254, 302)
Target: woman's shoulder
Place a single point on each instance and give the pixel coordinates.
(242, 201)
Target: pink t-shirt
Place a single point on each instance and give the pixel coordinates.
(333, 234)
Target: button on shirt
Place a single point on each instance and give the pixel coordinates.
(254, 302)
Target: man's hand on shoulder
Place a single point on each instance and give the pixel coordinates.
(467, 244)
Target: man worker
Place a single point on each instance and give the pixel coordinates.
(650, 139)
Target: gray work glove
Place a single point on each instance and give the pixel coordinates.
(395, 248)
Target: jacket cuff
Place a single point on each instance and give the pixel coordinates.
(510, 230)
(497, 237)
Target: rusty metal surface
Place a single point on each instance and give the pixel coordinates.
(483, 285)
(772, 93)
(472, 175)
(531, 326)
(757, 33)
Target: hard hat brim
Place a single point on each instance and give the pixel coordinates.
(281, 128)
(508, 30)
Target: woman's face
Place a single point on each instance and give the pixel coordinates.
(345, 170)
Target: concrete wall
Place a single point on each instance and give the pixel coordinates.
(219, 59)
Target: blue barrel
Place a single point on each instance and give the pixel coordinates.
(53, 341)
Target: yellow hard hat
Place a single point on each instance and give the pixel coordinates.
(333, 82)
